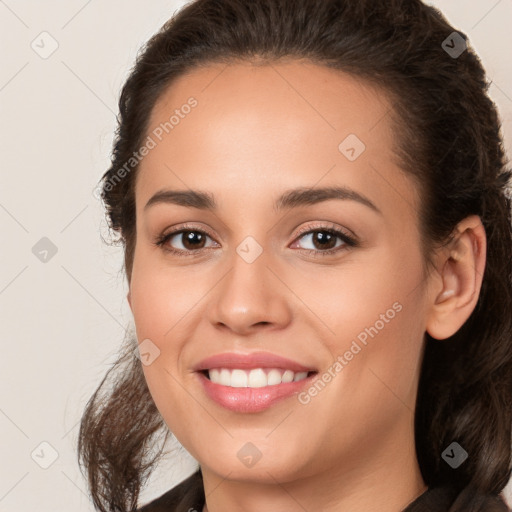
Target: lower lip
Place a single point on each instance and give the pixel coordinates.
(251, 399)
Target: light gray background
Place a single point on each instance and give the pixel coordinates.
(63, 320)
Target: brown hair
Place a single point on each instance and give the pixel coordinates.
(449, 141)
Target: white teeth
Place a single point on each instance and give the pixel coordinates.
(287, 376)
(238, 379)
(274, 377)
(225, 377)
(256, 378)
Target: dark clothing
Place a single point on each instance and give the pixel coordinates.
(188, 496)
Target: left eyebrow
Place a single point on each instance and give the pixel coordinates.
(292, 198)
(308, 196)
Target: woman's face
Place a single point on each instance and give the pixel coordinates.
(263, 272)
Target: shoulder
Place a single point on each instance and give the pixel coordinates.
(471, 499)
(187, 496)
(447, 499)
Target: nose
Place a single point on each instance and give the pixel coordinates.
(250, 296)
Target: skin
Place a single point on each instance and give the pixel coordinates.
(256, 132)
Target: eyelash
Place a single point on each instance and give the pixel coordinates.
(348, 241)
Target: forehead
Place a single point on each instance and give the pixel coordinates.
(298, 95)
(255, 126)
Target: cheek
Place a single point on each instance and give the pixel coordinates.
(355, 299)
(376, 317)
(162, 298)
(163, 310)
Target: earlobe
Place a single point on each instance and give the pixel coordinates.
(462, 268)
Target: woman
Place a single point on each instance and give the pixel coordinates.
(312, 201)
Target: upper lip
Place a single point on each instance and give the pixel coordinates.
(248, 361)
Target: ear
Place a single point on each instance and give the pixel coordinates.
(461, 267)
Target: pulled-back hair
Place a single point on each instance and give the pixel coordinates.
(448, 139)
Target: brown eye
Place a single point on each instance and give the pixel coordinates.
(324, 241)
(183, 241)
(191, 240)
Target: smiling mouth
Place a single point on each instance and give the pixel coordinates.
(253, 378)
